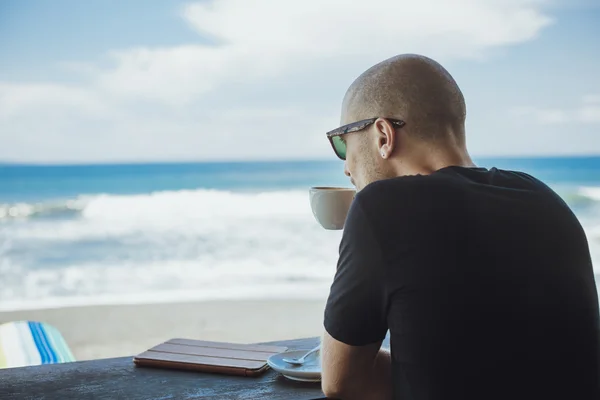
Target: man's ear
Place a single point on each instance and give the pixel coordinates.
(386, 137)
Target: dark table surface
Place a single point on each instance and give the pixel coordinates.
(119, 378)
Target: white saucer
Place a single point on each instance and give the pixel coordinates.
(310, 371)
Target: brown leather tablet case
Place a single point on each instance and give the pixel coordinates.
(204, 356)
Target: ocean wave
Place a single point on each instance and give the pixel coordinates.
(199, 244)
(173, 217)
(590, 192)
(190, 203)
(48, 209)
(203, 203)
(580, 197)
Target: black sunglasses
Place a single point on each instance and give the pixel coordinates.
(339, 145)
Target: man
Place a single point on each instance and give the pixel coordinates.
(483, 277)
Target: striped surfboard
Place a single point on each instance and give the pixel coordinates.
(25, 343)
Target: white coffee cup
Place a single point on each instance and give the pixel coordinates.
(330, 205)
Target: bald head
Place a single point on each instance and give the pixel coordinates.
(412, 88)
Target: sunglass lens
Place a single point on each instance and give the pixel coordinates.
(340, 147)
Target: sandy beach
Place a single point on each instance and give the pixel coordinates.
(113, 331)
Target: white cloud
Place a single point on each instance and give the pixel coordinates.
(588, 111)
(319, 28)
(542, 115)
(21, 100)
(263, 38)
(195, 101)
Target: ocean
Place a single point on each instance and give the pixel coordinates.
(126, 234)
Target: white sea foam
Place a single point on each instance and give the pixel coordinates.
(591, 192)
(170, 245)
(166, 282)
(181, 211)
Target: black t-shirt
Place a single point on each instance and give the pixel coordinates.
(483, 279)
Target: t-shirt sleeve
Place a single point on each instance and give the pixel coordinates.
(355, 313)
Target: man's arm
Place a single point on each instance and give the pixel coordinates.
(353, 366)
(355, 372)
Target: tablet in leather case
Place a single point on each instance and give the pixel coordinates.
(205, 356)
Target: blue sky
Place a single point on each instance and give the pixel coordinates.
(112, 81)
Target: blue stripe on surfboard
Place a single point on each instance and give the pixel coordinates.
(47, 345)
(36, 341)
(41, 348)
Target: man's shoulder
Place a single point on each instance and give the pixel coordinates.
(450, 187)
(405, 190)
(406, 200)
